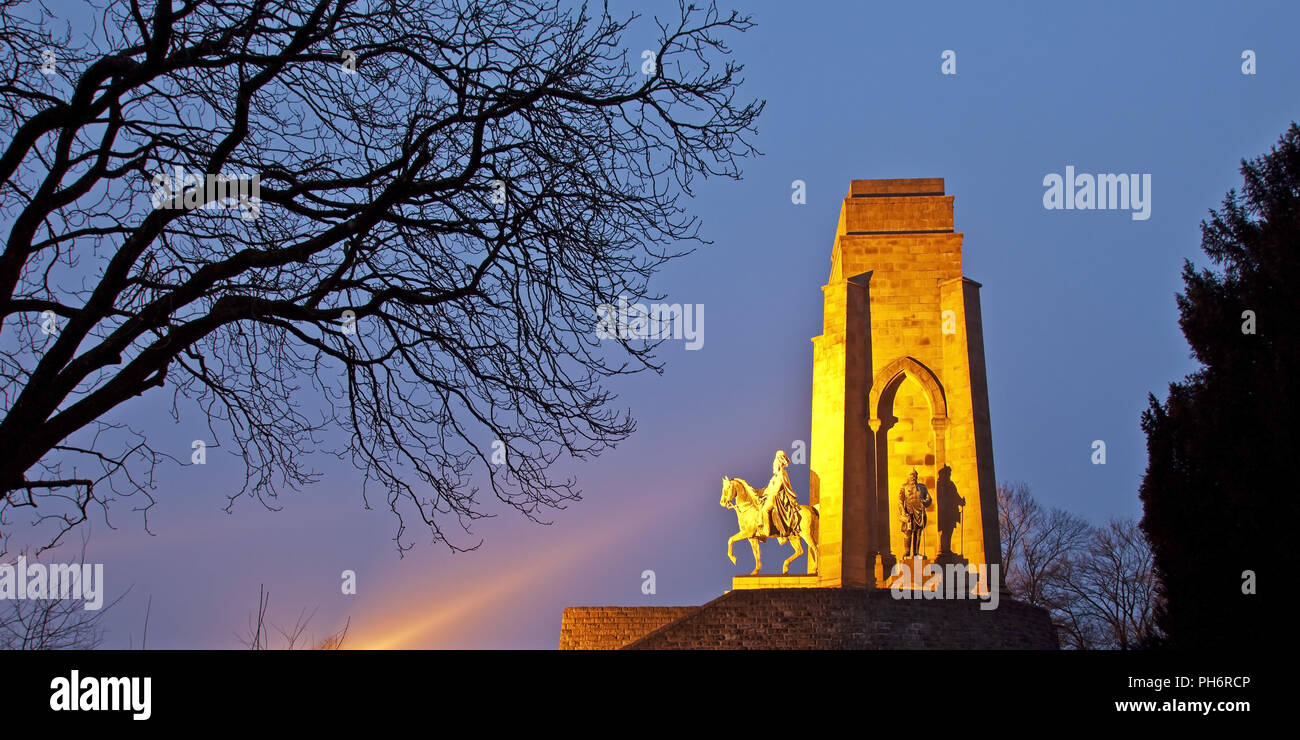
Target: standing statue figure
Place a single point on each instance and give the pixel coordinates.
(780, 505)
(913, 499)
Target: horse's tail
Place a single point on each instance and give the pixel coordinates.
(816, 520)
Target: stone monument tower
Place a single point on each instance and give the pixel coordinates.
(899, 385)
(901, 458)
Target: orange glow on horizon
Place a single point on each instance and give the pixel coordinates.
(429, 617)
(417, 621)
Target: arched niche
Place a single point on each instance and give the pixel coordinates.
(909, 418)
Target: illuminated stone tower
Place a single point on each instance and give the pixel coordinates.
(899, 384)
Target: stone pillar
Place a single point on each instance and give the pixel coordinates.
(841, 444)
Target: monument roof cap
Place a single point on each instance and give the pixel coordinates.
(906, 186)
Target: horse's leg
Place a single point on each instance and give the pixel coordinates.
(805, 531)
(737, 536)
(758, 557)
(798, 550)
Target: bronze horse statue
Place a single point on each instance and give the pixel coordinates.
(739, 495)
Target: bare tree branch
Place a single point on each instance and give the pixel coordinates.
(436, 228)
(292, 638)
(1097, 582)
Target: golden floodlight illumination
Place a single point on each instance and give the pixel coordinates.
(899, 385)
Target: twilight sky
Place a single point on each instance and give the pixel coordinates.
(1079, 318)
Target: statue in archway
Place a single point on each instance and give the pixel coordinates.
(913, 500)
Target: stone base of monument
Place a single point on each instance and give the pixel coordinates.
(768, 580)
(813, 619)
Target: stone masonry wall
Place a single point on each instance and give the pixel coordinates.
(852, 619)
(611, 627)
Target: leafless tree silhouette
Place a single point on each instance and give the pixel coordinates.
(258, 635)
(1110, 589)
(1097, 582)
(53, 623)
(448, 190)
(1036, 543)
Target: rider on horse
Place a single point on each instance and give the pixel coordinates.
(780, 505)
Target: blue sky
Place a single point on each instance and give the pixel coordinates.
(1079, 316)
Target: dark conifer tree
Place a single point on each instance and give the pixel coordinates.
(1219, 491)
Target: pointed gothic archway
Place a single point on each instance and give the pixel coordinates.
(908, 422)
